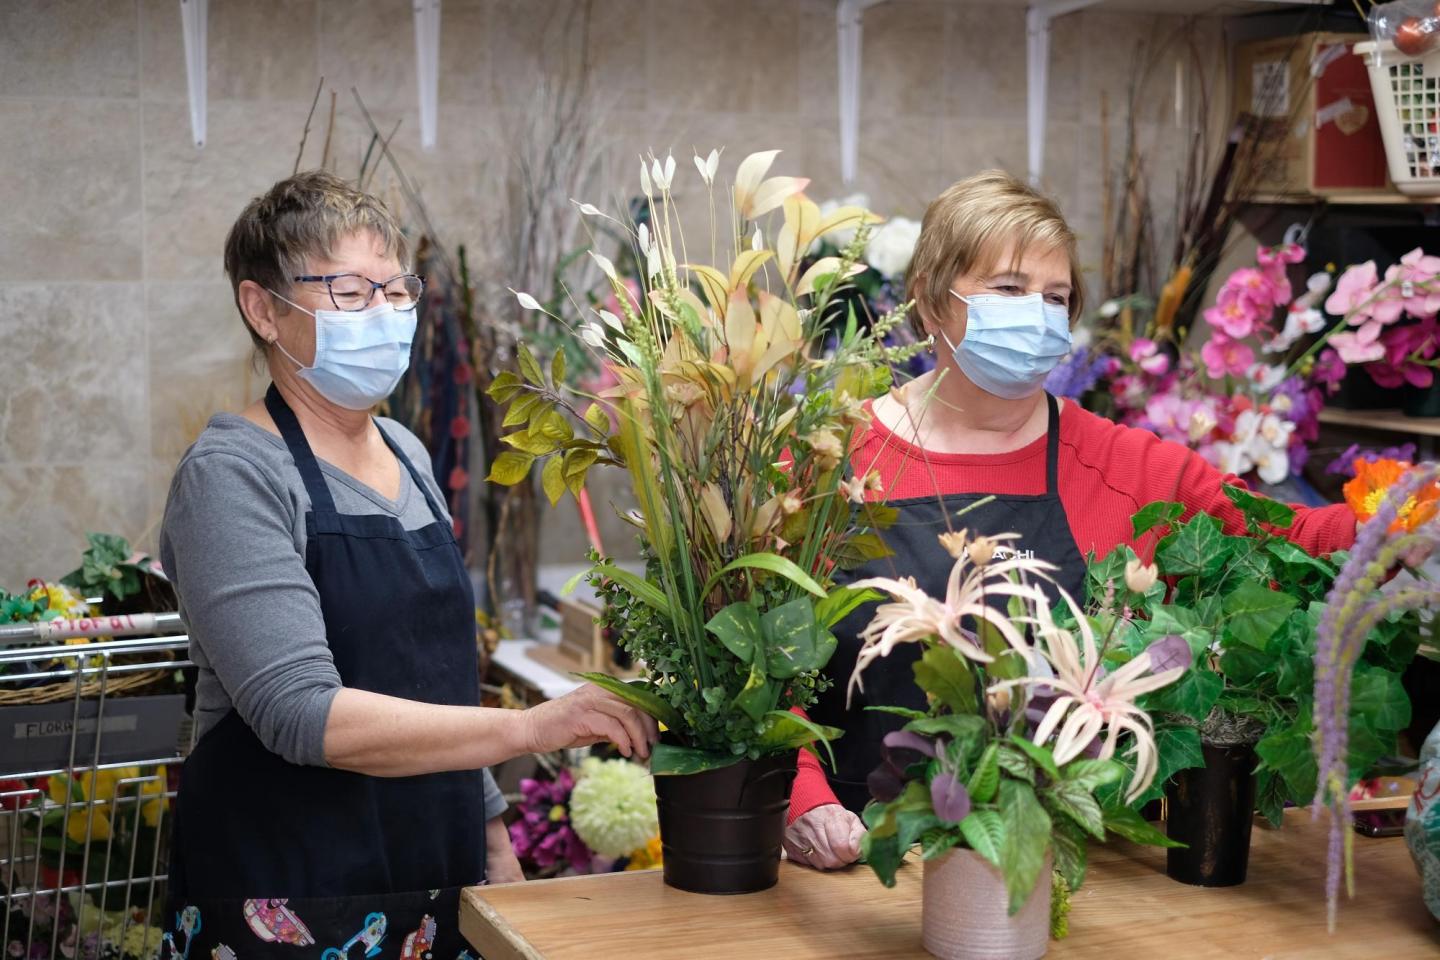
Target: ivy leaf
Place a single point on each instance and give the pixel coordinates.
(1270, 797)
(1255, 612)
(510, 468)
(941, 671)
(1027, 839)
(1154, 515)
(529, 368)
(1194, 549)
(1289, 753)
(1378, 696)
(552, 479)
(1177, 748)
(1193, 695)
(1260, 509)
(984, 832)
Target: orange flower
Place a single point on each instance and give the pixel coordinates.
(1373, 481)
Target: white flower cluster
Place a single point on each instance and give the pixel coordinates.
(612, 807)
(891, 246)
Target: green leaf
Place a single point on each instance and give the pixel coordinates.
(905, 712)
(521, 409)
(527, 442)
(958, 728)
(1027, 839)
(757, 697)
(984, 833)
(640, 695)
(857, 550)
(1194, 549)
(598, 419)
(880, 846)
(1270, 795)
(504, 387)
(557, 367)
(1077, 803)
(794, 642)
(577, 467)
(943, 673)
(985, 781)
(1288, 752)
(1193, 695)
(1255, 612)
(552, 478)
(841, 602)
(1177, 748)
(554, 426)
(771, 562)
(738, 627)
(1042, 756)
(510, 468)
(1292, 556)
(1125, 822)
(1015, 763)
(784, 730)
(529, 368)
(1090, 775)
(1378, 696)
(668, 760)
(1071, 857)
(938, 842)
(1260, 509)
(1158, 513)
(638, 587)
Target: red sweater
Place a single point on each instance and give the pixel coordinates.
(1106, 473)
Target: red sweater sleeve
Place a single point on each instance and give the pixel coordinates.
(812, 788)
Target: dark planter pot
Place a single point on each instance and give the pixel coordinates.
(1423, 401)
(1211, 809)
(721, 829)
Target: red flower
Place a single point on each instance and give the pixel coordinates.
(459, 478)
(460, 428)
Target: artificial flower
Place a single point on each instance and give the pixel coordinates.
(647, 857)
(1362, 346)
(1299, 322)
(1329, 369)
(892, 246)
(1264, 377)
(1406, 350)
(542, 835)
(1420, 290)
(1233, 314)
(1140, 577)
(1344, 464)
(1372, 482)
(612, 807)
(841, 236)
(1226, 357)
(1261, 289)
(1147, 354)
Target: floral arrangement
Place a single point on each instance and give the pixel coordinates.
(1399, 528)
(1017, 756)
(1245, 390)
(545, 842)
(1248, 607)
(42, 601)
(735, 430)
(612, 807)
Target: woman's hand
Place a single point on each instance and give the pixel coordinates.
(501, 866)
(825, 838)
(586, 716)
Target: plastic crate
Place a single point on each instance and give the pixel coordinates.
(1407, 104)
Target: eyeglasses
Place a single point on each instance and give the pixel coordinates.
(352, 292)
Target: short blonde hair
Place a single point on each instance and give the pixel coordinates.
(299, 217)
(975, 218)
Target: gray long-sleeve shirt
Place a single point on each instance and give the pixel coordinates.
(233, 541)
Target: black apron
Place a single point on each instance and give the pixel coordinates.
(271, 859)
(890, 681)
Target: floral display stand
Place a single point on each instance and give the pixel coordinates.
(1127, 909)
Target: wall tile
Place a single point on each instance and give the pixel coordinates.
(257, 50)
(68, 48)
(905, 58)
(75, 373)
(199, 362)
(48, 511)
(738, 56)
(71, 190)
(370, 45)
(192, 197)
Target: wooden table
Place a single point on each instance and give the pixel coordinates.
(1127, 908)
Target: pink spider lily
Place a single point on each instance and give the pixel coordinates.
(913, 615)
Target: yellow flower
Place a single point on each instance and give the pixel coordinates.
(99, 790)
(647, 857)
(557, 813)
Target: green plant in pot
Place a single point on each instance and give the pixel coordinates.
(735, 428)
(1030, 749)
(1234, 733)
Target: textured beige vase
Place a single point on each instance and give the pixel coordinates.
(964, 916)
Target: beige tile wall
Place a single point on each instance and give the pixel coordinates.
(117, 334)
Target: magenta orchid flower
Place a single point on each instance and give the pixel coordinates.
(1401, 344)
(1329, 369)
(1147, 354)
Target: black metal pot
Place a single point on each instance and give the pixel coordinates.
(721, 830)
(1211, 809)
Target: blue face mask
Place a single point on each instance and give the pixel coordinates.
(359, 355)
(1011, 343)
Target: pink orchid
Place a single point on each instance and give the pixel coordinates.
(1357, 300)
(1259, 288)
(1280, 256)
(1233, 314)
(1362, 346)
(1419, 270)
(1147, 354)
(1223, 356)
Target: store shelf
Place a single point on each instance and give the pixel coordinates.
(1376, 199)
(1387, 421)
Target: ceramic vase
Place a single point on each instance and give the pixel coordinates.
(964, 914)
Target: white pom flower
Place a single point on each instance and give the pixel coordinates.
(892, 247)
(612, 807)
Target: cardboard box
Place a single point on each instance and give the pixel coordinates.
(1308, 113)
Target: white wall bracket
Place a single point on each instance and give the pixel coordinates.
(427, 66)
(1037, 70)
(849, 28)
(193, 17)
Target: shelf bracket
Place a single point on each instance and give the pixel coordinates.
(849, 29)
(427, 67)
(193, 17)
(1037, 73)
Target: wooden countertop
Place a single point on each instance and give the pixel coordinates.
(1127, 908)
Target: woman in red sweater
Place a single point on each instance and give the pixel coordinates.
(996, 281)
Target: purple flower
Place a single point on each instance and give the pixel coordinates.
(949, 797)
(898, 751)
(1077, 374)
(1170, 652)
(542, 835)
(1344, 465)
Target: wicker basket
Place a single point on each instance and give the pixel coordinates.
(130, 682)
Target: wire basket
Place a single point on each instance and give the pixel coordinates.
(1407, 104)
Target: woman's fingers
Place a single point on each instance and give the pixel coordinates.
(826, 837)
(637, 739)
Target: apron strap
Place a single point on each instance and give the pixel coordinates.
(420, 484)
(305, 462)
(1052, 448)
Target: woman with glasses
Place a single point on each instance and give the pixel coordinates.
(337, 797)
